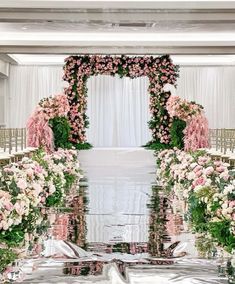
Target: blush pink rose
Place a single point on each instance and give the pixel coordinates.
(22, 184)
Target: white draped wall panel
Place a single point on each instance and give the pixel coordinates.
(118, 108)
(26, 86)
(213, 88)
(118, 111)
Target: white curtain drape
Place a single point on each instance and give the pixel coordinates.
(118, 111)
(114, 104)
(26, 86)
(214, 89)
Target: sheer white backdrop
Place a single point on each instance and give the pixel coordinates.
(25, 87)
(116, 105)
(118, 111)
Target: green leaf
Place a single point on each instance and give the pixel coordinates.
(61, 130)
(176, 133)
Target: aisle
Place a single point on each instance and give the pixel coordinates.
(120, 181)
(118, 239)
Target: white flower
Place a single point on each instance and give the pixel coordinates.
(224, 205)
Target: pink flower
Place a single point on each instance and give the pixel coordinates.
(209, 170)
(22, 184)
(224, 175)
(220, 169)
(198, 173)
(197, 168)
(199, 181)
(233, 217)
(232, 204)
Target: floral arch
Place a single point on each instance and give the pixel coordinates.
(61, 120)
(159, 70)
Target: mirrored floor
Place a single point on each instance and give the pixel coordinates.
(120, 227)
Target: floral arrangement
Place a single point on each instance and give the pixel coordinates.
(159, 70)
(195, 131)
(42, 124)
(182, 109)
(27, 187)
(208, 189)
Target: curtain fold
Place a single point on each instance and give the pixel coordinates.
(26, 86)
(118, 108)
(214, 89)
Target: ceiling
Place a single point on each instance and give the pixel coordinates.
(115, 27)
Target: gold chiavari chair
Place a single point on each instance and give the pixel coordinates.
(216, 140)
(222, 142)
(212, 138)
(13, 145)
(5, 157)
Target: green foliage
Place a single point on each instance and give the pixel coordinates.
(70, 180)
(84, 271)
(16, 234)
(197, 214)
(156, 145)
(83, 146)
(54, 199)
(7, 256)
(204, 245)
(12, 237)
(197, 154)
(205, 192)
(220, 231)
(176, 133)
(61, 130)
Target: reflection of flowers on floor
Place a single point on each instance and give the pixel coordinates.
(84, 268)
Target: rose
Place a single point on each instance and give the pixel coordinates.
(22, 184)
(209, 170)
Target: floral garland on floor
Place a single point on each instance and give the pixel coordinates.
(48, 126)
(26, 189)
(207, 187)
(159, 70)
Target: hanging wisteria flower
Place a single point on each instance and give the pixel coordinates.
(39, 131)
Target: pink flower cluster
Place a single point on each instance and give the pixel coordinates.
(196, 133)
(189, 172)
(54, 106)
(182, 109)
(39, 132)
